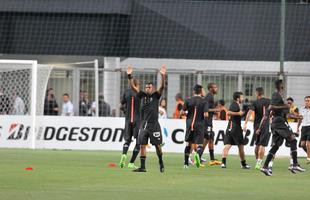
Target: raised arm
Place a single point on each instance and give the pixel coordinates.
(162, 72)
(132, 85)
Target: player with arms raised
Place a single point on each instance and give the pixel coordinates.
(150, 128)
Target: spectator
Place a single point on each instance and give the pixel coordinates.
(5, 105)
(104, 107)
(84, 104)
(162, 109)
(222, 115)
(18, 105)
(178, 107)
(67, 107)
(50, 104)
(293, 112)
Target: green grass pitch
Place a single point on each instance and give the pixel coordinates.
(85, 175)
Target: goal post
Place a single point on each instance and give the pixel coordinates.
(18, 87)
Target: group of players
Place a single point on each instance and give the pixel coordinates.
(141, 109)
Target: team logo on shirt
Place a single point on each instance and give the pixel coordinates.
(156, 134)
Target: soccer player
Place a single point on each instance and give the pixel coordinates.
(150, 127)
(130, 104)
(280, 129)
(209, 133)
(197, 110)
(304, 121)
(234, 133)
(293, 111)
(259, 107)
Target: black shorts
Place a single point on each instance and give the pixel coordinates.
(263, 138)
(209, 133)
(305, 133)
(234, 136)
(150, 131)
(281, 132)
(195, 137)
(131, 130)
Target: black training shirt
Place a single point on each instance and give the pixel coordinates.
(260, 107)
(132, 103)
(149, 108)
(211, 104)
(234, 107)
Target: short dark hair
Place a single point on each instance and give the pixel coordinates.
(149, 83)
(197, 89)
(179, 96)
(66, 94)
(210, 85)
(278, 83)
(237, 95)
(49, 89)
(222, 102)
(260, 91)
(307, 97)
(290, 99)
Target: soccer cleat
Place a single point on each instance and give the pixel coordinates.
(308, 161)
(202, 160)
(215, 162)
(298, 168)
(139, 170)
(123, 160)
(161, 167)
(202, 165)
(246, 166)
(223, 165)
(265, 171)
(270, 170)
(132, 166)
(290, 168)
(197, 160)
(185, 167)
(258, 166)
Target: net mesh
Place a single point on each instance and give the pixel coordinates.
(15, 88)
(200, 29)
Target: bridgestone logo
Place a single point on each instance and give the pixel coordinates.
(82, 134)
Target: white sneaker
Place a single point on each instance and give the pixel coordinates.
(223, 165)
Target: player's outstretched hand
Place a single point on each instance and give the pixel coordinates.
(163, 70)
(129, 70)
(257, 132)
